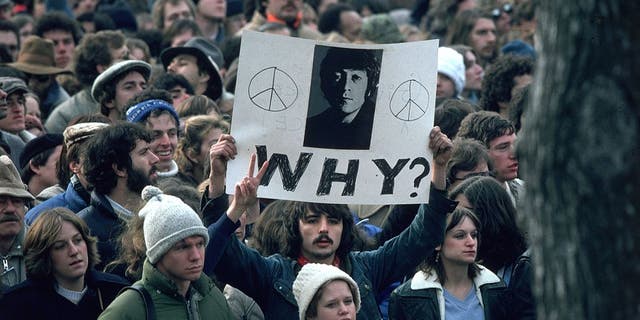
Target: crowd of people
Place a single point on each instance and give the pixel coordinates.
(115, 138)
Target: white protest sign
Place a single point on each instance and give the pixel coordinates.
(339, 123)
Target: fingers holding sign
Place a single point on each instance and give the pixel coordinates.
(219, 153)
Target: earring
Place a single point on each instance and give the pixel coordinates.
(437, 256)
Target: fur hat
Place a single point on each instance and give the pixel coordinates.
(10, 182)
(451, 64)
(167, 220)
(311, 277)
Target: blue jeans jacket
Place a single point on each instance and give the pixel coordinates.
(269, 280)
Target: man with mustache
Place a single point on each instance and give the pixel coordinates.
(348, 81)
(13, 199)
(119, 164)
(172, 276)
(319, 233)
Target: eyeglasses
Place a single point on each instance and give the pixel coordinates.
(506, 8)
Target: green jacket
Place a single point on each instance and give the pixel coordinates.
(205, 302)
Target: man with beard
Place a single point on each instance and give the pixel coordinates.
(348, 81)
(153, 109)
(119, 164)
(476, 29)
(13, 197)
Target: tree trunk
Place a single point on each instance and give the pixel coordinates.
(581, 160)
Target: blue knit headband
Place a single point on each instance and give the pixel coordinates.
(140, 111)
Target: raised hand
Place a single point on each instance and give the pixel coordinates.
(246, 191)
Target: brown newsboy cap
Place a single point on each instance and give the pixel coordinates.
(10, 182)
(36, 56)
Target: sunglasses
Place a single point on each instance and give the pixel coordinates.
(506, 8)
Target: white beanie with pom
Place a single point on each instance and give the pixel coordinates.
(311, 277)
(167, 220)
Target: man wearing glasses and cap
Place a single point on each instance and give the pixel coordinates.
(13, 199)
(12, 92)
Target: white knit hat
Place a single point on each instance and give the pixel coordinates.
(451, 64)
(311, 277)
(167, 220)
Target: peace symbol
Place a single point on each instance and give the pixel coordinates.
(409, 101)
(272, 89)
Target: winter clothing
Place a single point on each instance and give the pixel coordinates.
(204, 300)
(80, 103)
(311, 277)
(38, 299)
(422, 298)
(105, 224)
(167, 220)
(75, 198)
(10, 183)
(122, 67)
(15, 264)
(140, 112)
(14, 143)
(519, 287)
(451, 64)
(269, 280)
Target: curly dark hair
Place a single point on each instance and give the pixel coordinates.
(518, 105)
(108, 147)
(485, 126)
(297, 211)
(499, 80)
(57, 20)
(94, 49)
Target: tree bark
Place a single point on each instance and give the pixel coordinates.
(581, 160)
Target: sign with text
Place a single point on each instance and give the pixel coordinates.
(339, 123)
